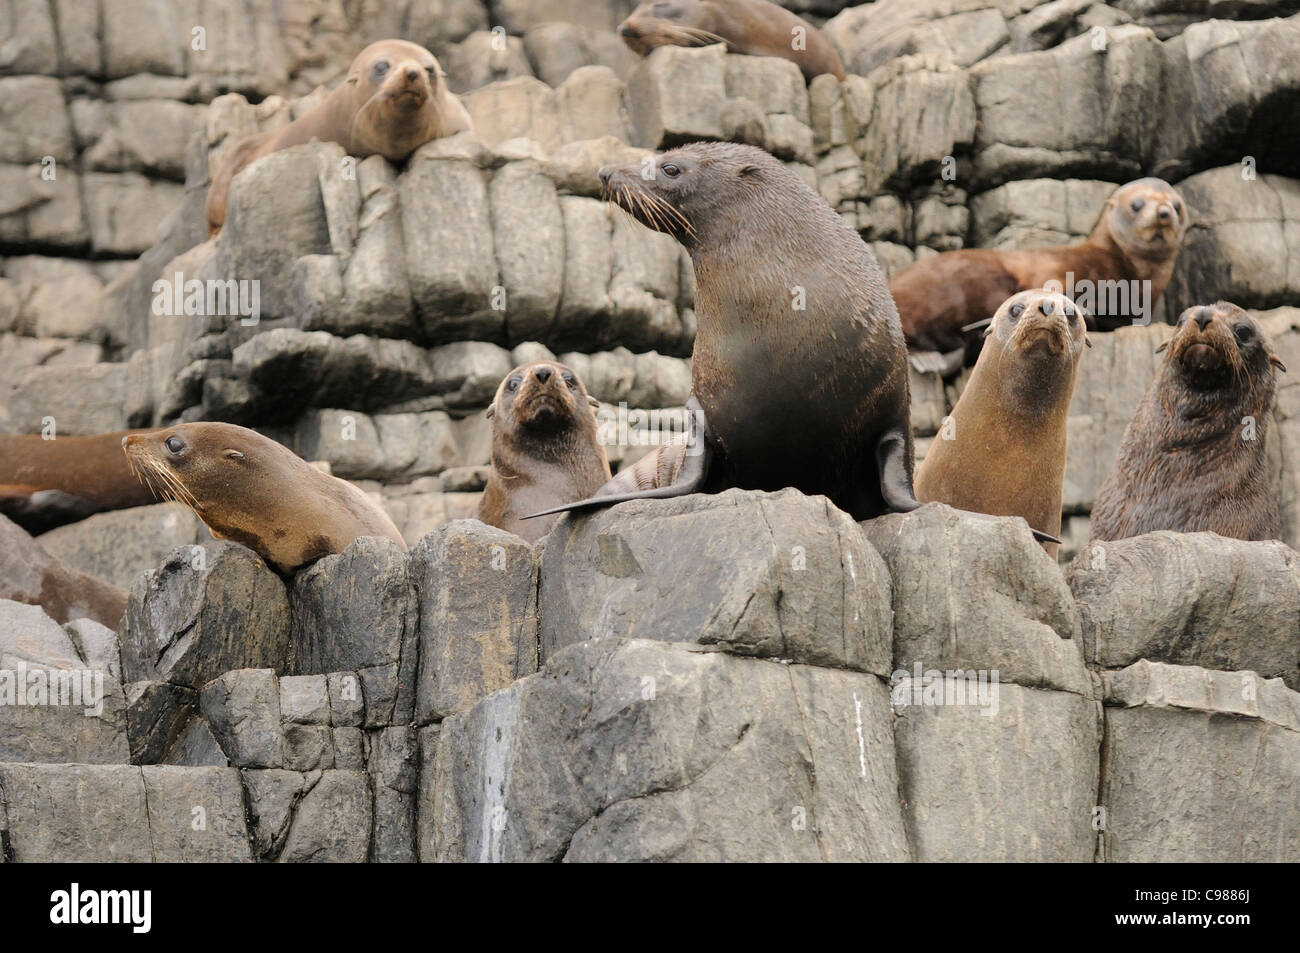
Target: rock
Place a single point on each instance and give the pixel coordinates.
(124, 210)
(97, 645)
(520, 108)
(88, 403)
(735, 759)
(557, 49)
(525, 214)
(74, 813)
(960, 33)
(484, 57)
(1037, 212)
(355, 611)
(477, 591)
(36, 120)
(393, 763)
(332, 821)
(978, 593)
(592, 104)
(157, 716)
(61, 715)
(243, 709)
(28, 635)
(42, 212)
(1190, 599)
(196, 815)
(272, 796)
(1016, 780)
(677, 95)
(119, 545)
(205, 611)
(1185, 748)
(30, 575)
(782, 575)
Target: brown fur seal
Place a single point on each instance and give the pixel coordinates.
(30, 574)
(756, 27)
(46, 483)
(1194, 457)
(544, 448)
(799, 374)
(252, 490)
(1136, 239)
(394, 100)
(1006, 455)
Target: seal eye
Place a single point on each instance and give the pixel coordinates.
(512, 385)
(1137, 204)
(568, 379)
(381, 67)
(175, 445)
(1243, 333)
(670, 170)
(1016, 310)
(1178, 207)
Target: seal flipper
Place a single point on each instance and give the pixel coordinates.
(690, 479)
(891, 465)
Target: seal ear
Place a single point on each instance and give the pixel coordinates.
(492, 409)
(1162, 346)
(233, 455)
(595, 404)
(1087, 340)
(749, 171)
(1277, 362)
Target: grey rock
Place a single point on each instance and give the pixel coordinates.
(356, 612)
(676, 95)
(87, 402)
(74, 813)
(125, 210)
(978, 593)
(482, 58)
(305, 700)
(519, 108)
(28, 635)
(207, 610)
(1185, 748)
(119, 545)
(477, 590)
(243, 709)
(196, 815)
(556, 49)
(332, 822)
(782, 575)
(57, 715)
(735, 759)
(392, 761)
(157, 716)
(272, 797)
(1190, 599)
(525, 211)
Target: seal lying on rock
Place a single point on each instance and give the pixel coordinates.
(544, 448)
(46, 483)
(252, 490)
(756, 27)
(799, 373)
(1132, 249)
(394, 100)
(1194, 457)
(1002, 451)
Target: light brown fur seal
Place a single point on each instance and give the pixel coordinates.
(756, 27)
(46, 483)
(799, 373)
(1195, 456)
(28, 573)
(394, 99)
(252, 490)
(544, 448)
(1007, 452)
(1136, 239)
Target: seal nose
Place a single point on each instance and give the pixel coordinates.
(412, 74)
(627, 32)
(1203, 317)
(543, 373)
(1165, 213)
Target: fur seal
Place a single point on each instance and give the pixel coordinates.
(799, 373)
(46, 483)
(252, 490)
(1194, 457)
(1136, 239)
(394, 100)
(1007, 452)
(544, 448)
(29, 574)
(756, 27)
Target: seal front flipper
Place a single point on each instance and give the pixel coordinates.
(689, 476)
(895, 481)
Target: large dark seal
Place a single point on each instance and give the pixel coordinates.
(545, 450)
(1002, 451)
(799, 373)
(28, 573)
(394, 99)
(756, 27)
(1194, 457)
(47, 483)
(1116, 275)
(252, 490)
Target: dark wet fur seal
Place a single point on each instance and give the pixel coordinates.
(394, 99)
(250, 489)
(1007, 452)
(756, 27)
(1136, 238)
(29, 574)
(545, 450)
(815, 397)
(1185, 463)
